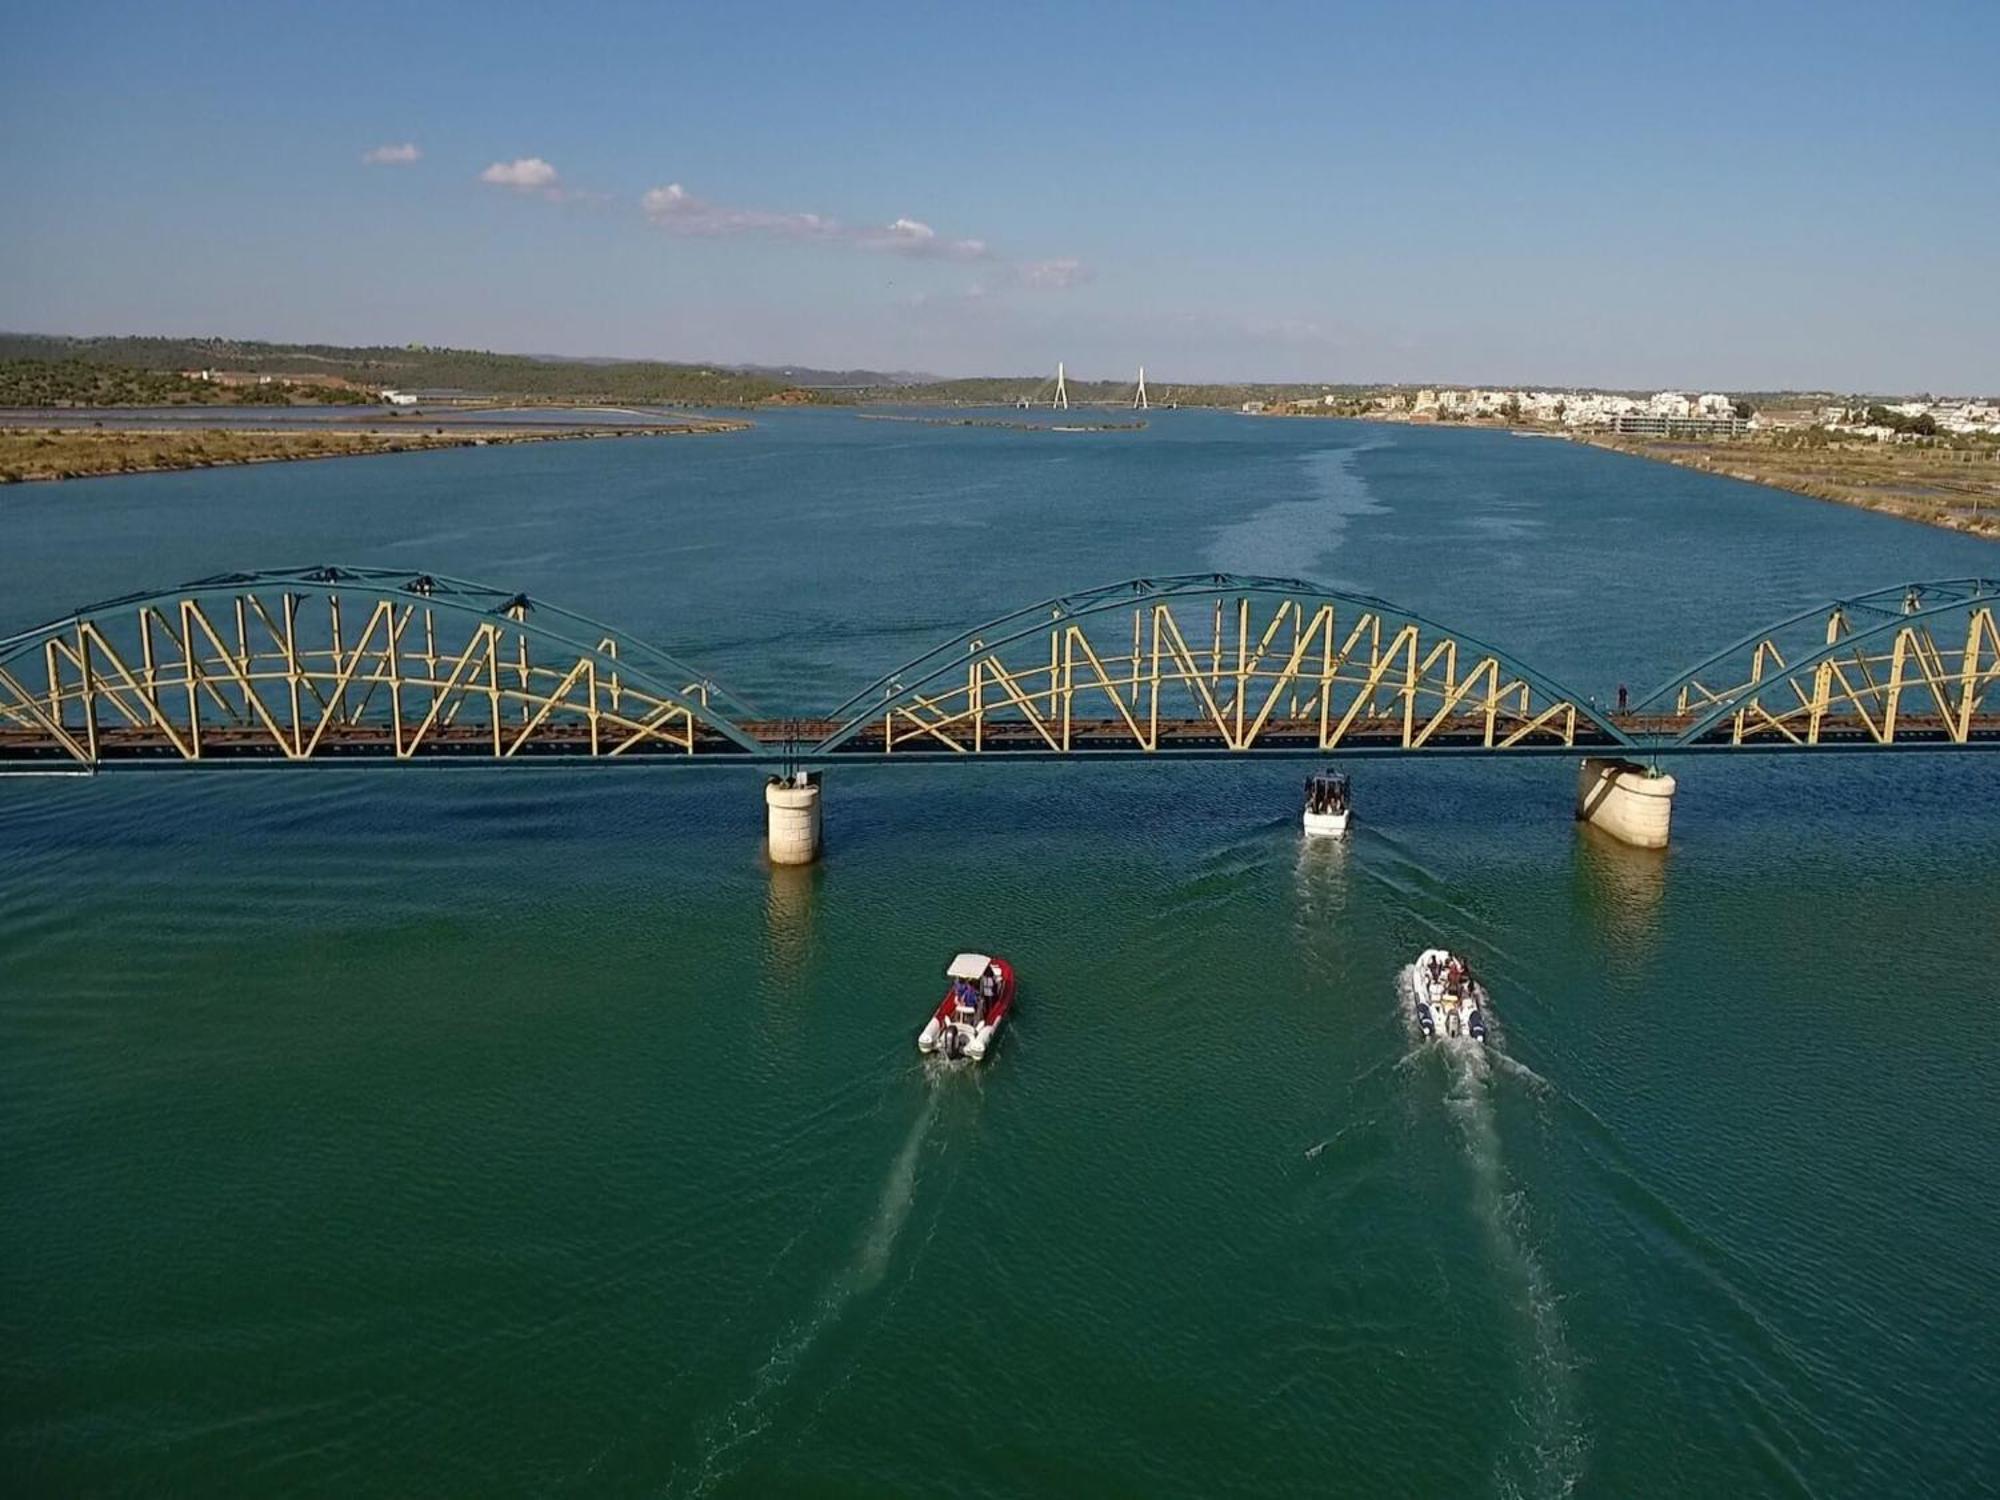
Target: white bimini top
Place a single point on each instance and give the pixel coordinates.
(968, 966)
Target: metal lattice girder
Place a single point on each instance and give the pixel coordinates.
(1212, 662)
(320, 663)
(309, 664)
(1913, 665)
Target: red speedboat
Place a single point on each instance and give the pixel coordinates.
(977, 1000)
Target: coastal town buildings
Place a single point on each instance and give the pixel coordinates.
(1706, 414)
(1954, 416)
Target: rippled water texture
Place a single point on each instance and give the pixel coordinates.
(519, 1132)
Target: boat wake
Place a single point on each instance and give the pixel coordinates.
(1549, 1459)
(723, 1437)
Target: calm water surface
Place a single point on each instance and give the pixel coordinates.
(521, 1132)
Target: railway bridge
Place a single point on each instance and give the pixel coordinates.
(367, 665)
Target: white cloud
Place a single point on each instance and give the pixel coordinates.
(526, 174)
(1053, 275)
(678, 211)
(1301, 332)
(392, 156)
(914, 238)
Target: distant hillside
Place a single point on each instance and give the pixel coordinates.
(419, 368)
(526, 377)
(806, 375)
(562, 378)
(1006, 390)
(75, 382)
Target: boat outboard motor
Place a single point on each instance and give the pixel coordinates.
(1451, 1020)
(1425, 1022)
(1476, 1024)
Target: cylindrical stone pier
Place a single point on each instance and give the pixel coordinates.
(791, 818)
(1632, 803)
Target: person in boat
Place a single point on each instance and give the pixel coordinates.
(989, 991)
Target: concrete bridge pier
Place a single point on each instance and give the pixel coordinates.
(1631, 802)
(791, 818)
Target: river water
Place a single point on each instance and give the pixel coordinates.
(520, 1132)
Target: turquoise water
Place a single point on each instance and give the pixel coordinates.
(519, 1132)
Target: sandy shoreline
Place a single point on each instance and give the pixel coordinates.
(1931, 491)
(1951, 489)
(41, 454)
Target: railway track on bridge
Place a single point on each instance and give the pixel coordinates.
(792, 742)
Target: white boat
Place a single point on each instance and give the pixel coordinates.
(1445, 999)
(977, 1000)
(1329, 804)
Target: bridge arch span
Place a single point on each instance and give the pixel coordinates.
(360, 663)
(1212, 662)
(328, 663)
(1914, 665)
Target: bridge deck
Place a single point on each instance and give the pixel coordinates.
(128, 745)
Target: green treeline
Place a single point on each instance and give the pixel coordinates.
(44, 370)
(419, 368)
(75, 382)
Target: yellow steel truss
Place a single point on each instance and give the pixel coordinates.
(194, 677)
(1865, 682)
(1294, 673)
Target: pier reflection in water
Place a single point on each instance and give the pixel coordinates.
(1621, 889)
(790, 933)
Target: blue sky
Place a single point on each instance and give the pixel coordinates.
(1732, 196)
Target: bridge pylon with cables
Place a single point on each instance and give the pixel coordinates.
(1054, 393)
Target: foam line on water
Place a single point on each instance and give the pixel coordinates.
(1551, 1459)
(863, 1271)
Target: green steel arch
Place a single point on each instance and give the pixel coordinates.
(1914, 665)
(373, 664)
(356, 663)
(1370, 676)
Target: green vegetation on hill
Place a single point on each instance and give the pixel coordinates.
(418, 368)
(1923, 424)
(74, 382)
(475, 373)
